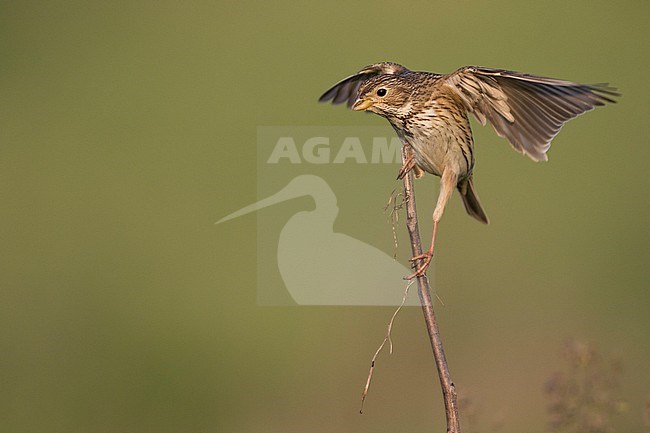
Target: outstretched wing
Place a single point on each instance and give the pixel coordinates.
(527, 110)
(347, 88)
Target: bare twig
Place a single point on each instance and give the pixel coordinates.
(388, 338)
(448, 388)
(395, 203)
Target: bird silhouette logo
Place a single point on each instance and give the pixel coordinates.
(322, 267)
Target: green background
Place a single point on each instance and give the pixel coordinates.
(129, 128)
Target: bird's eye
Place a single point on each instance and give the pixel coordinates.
(382, 92)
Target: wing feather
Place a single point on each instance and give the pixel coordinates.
(527, 110)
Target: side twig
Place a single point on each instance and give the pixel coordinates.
(388, 338)
(448, 388)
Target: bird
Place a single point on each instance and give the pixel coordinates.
(430, 114)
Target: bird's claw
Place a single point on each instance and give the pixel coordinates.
(406, 167)
(422, 269)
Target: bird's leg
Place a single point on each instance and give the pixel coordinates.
(427, 256)
(448, 182)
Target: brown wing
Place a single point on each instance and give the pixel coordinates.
(525, 109)
(347, 88)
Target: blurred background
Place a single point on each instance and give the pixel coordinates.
(129, 128)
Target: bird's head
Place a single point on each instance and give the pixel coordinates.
(386, 95)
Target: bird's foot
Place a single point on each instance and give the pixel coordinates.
(406, 167)
(422, 269)
(409, 165)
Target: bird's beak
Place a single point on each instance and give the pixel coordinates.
(298, 187)
(362, 104)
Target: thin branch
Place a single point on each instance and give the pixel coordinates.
(448, 388)
(388, 338)
(395, 203)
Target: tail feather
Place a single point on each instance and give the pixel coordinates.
(471, 201)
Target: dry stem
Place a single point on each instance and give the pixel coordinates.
(388, 338)
(448, 388)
